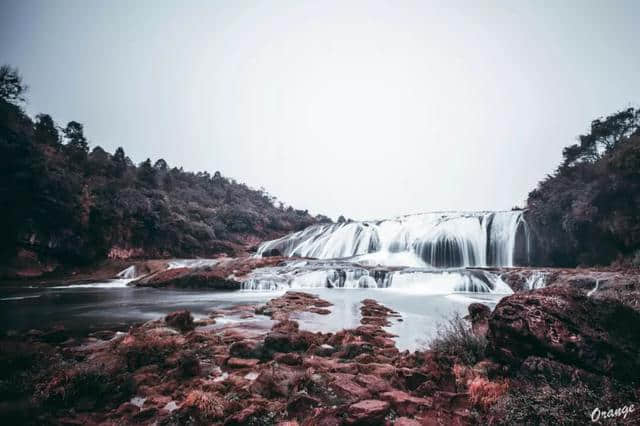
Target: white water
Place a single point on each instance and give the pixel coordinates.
(435, 240)
(317, 274)
(536, 280)
(128, 273)
(191, 263)
(594, 289)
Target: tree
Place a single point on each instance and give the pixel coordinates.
(161, 165)
(45, 130)
(74, 132)
(604, 135)
(146, 173)
(11, 86)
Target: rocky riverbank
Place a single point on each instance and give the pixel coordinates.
(547, 356)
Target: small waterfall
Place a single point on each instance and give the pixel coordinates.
(437, 240)
(191, 263)
(536, 280)
(594, 289)
(128, 273)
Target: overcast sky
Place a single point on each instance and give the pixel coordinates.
(368, 109)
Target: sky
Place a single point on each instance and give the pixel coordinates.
(368, 109)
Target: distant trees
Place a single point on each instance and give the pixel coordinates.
(11, 87)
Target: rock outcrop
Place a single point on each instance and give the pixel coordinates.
(563, 323)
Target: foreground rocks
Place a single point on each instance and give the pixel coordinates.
(549, 356)
(602, 336)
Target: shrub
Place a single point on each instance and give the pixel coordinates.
(484, 393)
(142, 349)
(455, 339)
(545, 406)
(84, 382)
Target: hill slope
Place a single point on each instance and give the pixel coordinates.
(64, 204)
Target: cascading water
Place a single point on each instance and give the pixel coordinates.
(437, 240)
(327, 274)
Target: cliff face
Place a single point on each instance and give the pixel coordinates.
(66, 205)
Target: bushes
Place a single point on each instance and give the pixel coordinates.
(142, 349)
(455, 339)
(84, 383)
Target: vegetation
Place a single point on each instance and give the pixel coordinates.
(587, 211)
(456, 339)
(68, 204)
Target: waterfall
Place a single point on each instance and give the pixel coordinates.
(436, 240)
(536, 280)
(344, 275)
(128, 273)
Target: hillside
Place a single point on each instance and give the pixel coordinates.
(64, 204)
(587, 212)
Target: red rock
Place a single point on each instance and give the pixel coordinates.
(370, 411)
(405, 421)
(127, 408)
(246, 349)
(324, 417)
(346, 389)
(242, 362)
(373, 383)
(598, 335)
(244, 417)
(405, 404)
(385, 371)
(276, 381)
(300, 404)
(180, 320)
(288, 358)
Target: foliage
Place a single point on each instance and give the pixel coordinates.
(586, 212)
(76, 206)
(11, 87)
(456, 339)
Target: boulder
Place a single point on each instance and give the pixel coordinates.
(562, 323)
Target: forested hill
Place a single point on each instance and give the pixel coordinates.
(63, 203)
(588, 211)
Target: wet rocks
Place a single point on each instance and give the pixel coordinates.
(293, 301)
